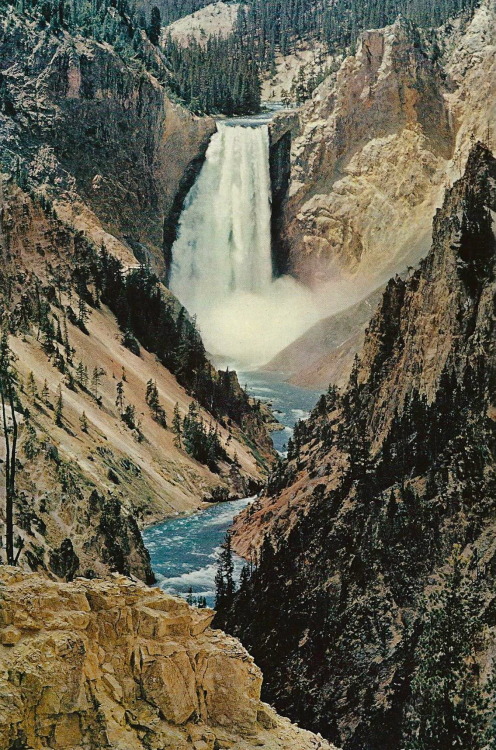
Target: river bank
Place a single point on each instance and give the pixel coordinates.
(184, 550)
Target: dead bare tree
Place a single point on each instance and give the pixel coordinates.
(7, 390)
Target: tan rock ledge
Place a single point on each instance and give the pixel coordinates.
(113, 664)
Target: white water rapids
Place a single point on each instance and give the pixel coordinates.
(222, 265)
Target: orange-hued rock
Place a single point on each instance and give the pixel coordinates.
(378, 143)
(89, 489)
(103, 663)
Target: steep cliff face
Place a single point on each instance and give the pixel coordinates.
(111, 664)
(98, 135)
(377, 144)
(380, 483)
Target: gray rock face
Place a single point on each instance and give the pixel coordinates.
(98, 135)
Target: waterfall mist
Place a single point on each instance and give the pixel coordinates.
(222, 265)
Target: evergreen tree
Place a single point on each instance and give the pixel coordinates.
(83, 314)
(83, 421)
(96, 379)
(224, 579)
(82, 375)
(32, 390)
(59, 408)
(151, 396)
(45, 393)
(119, 400)
(176, 426)
(153, 401)
(155, 27)
(449, 709)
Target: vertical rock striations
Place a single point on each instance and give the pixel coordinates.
(379, 141)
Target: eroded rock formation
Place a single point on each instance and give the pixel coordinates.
(112, 664)
(378, 143)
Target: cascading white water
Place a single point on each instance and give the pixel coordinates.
(224, 237)
(221, 260)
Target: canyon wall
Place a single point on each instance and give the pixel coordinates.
(112, 664)
(377, 144)
(99, 135)
(96, 160)
(87, 480)
(381, 485)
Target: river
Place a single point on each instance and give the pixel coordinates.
(184, 550)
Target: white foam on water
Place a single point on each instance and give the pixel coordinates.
(222, 258)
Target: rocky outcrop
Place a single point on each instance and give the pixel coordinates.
(377, 144)
(99, 136)
(216, 19)
(112, 664)
(381, 482)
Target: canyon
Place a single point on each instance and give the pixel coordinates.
(146, 254)
(95, 155)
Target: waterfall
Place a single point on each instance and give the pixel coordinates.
(224, 245)
(221, 260)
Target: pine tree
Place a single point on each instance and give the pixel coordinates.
(152, 399)
(59, 408)
(45, 393)
(151, 396)
(224, 579)
(82, 375)
(189, 597)
(31, 388)
(176, 426)
(448, 707)
(155, 27)
(96, 379)
(30, 445)
(119, 400)
(67, 346)
(83, 421)
(83, 314)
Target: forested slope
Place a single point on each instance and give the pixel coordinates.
(224, 75)
(371, 608)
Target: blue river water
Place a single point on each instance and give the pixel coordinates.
(184, 550)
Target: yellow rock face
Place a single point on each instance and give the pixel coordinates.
(114, 664)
